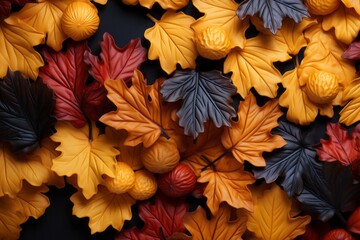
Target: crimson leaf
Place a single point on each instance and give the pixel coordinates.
(272, 12)
(162, 219)
(25, 112)
(334, 192)
(5, 6)
(353, 52)
(115, 63)
(296, 160)
(205, 95)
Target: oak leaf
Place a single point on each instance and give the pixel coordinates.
(271, 216)
(221, 13)
(219, 226)
(345, 21)
(253, 66)
(16, 43)
(353, 222)
(115, 63)
(250, 136)
(140, 111)
(172, 41)
(85, 153)
(161, 219)
(351, 111)
(29, 202)
(103, 209)
(205, 95)
(45, 17)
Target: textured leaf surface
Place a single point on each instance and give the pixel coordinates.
(218, 227)
(172, 41)
(294, 161)
(16, 43)
(45, 17)
(253, 66)
(29, 202)
(353, 223)
(353, 51)
(161, 219)
(351, 111)
(66, 73)
(334, 192)
(114, 62)
(250, 136)
(352, 4)
(111, 209)
(25, 112)
(88, 159)
(271, 216)
(221, 13)
(272, 12)
(205, 95)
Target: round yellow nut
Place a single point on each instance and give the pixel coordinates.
(322, 7)
(322, 87)
(123, 181)
(145, 185)
(213, 42)
(80, 20)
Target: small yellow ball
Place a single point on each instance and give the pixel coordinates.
(322, 7)
(145, 185)
(322, 87)
(123, 181)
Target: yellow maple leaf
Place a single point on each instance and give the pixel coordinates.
(218, 227)
(351, 112)
(352, 4)
(271, 216)
(16, 43)
(172, 41)
(89, 158)
(14, 168)
(345, 21)
(165, 4)
(250, 136)
(253, 66)
(222, 13)
(29, 202)
(45, 16)
(103, 209)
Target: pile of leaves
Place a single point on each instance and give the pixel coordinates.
(267, 165)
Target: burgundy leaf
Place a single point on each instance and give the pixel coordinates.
(5, 6)
(353, 52)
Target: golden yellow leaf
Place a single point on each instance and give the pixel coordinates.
(218, 227)
(271, 216)
(250, 136)
(172, 41)
(165, 4)
(89, 158)
(351, 112)
(222, 13)
(352, 4)
(253, 66)
(345, 21)
(14, 168)
(29, 202)
(45, 16)
(16, 43)
(103, 209)
(102, 2)
(300, 109)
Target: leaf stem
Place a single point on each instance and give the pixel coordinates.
(212, 163)
(151, 18)
(164, 133)
(296, 61)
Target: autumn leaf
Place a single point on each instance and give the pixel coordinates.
(333, 193)
(351, 111)
(272, 12)
(253, 66)
(205, 95)
(85, 153)
(250, 136)
(352, 4)
(66, 73)
(25, 112)
(165, 4)
(103, 209)
(353, 222)
(17, 40)
(294, 161)
(29, 202)
(353, 51)
(345, 21)
(45, 17)
(221, 13)
(161, 219)
(219, 226)
(5, 7)
(271, 216)
(340, 146)
(140, 111)
(115, 63)
(172, 41)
